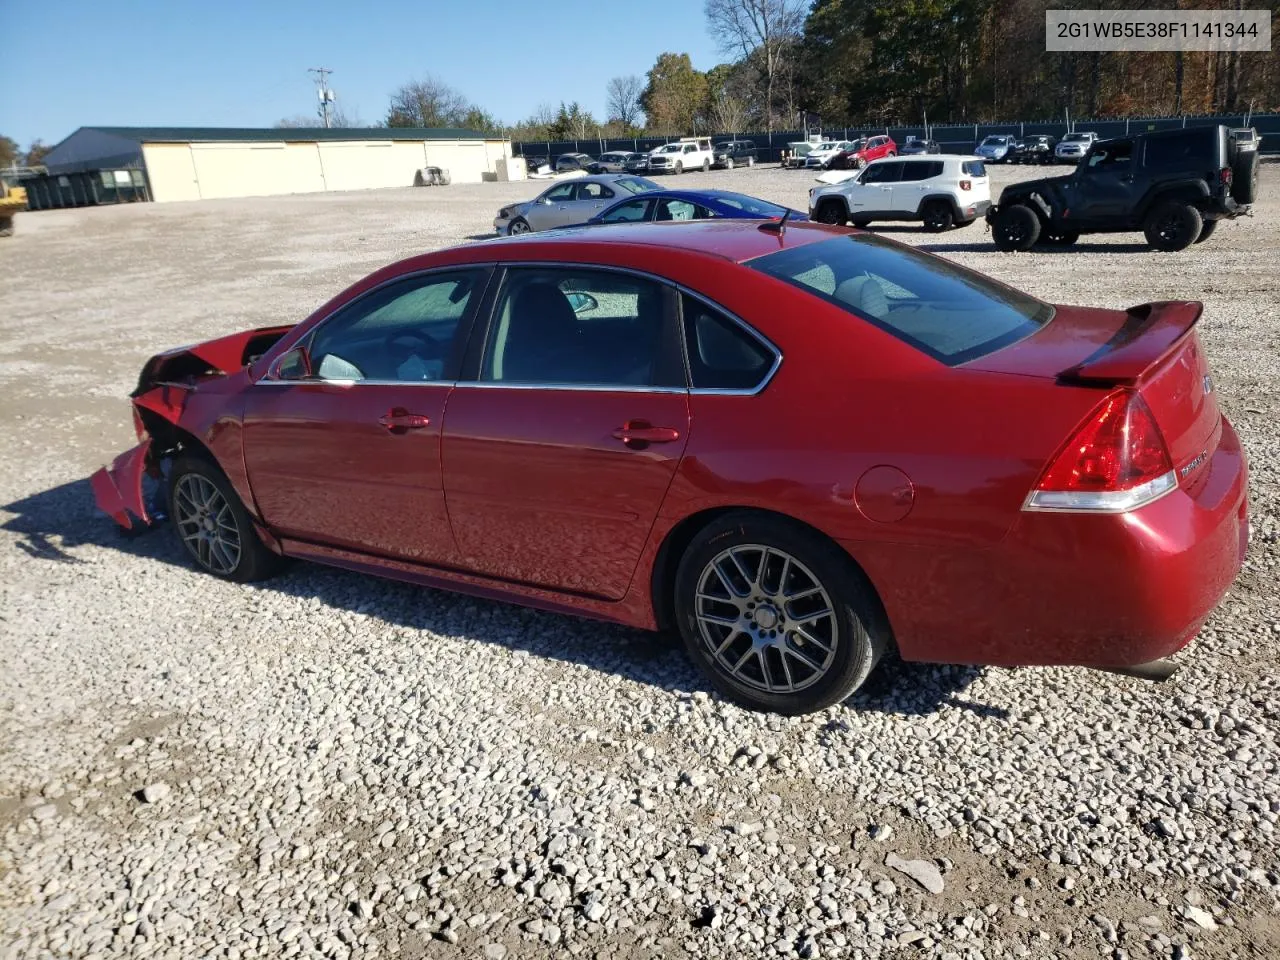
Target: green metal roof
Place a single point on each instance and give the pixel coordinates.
(235, 134)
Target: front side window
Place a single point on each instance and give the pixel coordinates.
(943, 310)
(579, 327)
(673, 209)
(1111, 156)
(404, 332)
(723, 355)
(632, 211)
(560, 193)
(882, 173)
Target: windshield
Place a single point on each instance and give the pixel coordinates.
(751, 204)
(952, 314)
(635, 184)
(671, 148)
(1075, 137)
(994, 142)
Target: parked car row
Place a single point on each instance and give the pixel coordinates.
(680, 156)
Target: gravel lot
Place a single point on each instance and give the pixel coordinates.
(329, 764)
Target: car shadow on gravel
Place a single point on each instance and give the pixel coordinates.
(54, 522)
(988, 247)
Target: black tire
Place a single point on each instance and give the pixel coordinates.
(1244, 176)
(1015, 228)
(1173, 225)
(832, 212)
(728, 163)
(860, 223)
(751, 161)
(518, 226)
(196, 529)
(938, 216)
(6, 226)
(1207, 230)
(844, 643)
(706, 166)
(679, 167)
(1059, 238)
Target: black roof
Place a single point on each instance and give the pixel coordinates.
(233, 134)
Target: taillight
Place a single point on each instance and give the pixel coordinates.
(1116, 461)
(1224, 175)
(966, 185)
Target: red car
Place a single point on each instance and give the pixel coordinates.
(799, 445)
(871, 148)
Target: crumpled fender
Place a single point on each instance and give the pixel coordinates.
(117, 489)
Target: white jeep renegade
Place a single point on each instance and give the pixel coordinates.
(940, 190)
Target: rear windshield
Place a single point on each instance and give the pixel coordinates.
(635, 184)
(751, 204)
(952, 314)
(974, 168)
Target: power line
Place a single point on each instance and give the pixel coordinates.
(323, 91)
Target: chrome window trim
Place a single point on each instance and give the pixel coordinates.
(577, 387)
(320, 381)
(266, 380)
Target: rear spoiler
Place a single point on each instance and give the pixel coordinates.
(1151, 332)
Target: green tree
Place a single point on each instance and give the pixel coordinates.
(430, 102)
(572, 123)
(9, 151)
(675, 95)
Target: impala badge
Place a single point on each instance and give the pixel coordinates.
(1208, 384)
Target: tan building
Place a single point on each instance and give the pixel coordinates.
(200, 163)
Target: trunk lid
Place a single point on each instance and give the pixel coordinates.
(1151, 348)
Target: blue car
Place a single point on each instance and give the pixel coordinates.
(664, 205)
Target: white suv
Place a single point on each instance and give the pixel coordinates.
(1073, 147)
(943, 191)
(824, 151)
(688, 154)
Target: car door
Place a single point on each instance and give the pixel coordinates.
(589, 199)
(342, 436)
(550, 209)
(915, 181)
(632, 211)
(558, 454)
(874, 193)
(1103, 185)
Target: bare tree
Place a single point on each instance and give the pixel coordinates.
(623, 99)
(429, 102)
(728, 113)
(768, 26)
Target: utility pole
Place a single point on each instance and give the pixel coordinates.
(323, 91)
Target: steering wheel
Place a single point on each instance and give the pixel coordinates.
(434, 349)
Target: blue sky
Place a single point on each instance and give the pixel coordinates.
(243, 63)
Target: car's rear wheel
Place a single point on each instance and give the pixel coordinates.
(1015, 228)
(777, 616)
(518, 226)
(938, 216)
(212, 524)
(728, 163)
(1173, 225)
(831, 211)
(1207, 230)
(1059, 238)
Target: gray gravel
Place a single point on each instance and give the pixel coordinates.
(332, 765)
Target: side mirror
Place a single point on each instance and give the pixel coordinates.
(294, 365)
(581, 302)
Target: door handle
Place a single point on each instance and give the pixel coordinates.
(638, 434)
(399, 420)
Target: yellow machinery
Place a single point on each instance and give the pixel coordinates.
(12, 199)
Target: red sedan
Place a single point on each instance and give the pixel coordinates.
(801, 446)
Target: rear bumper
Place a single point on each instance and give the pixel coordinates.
(1076, 589)
(972, 211)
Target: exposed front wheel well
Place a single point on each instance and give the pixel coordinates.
(681, 536)
(168, 439)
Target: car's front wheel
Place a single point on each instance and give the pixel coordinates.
(777, 616)
(679, 167)
(518, 226)
(706, 165)
(831, 211)
(1173, 226)
(1207, 230)
(212, 524)
(1015, 228)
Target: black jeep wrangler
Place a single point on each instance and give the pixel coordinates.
(1174, 186)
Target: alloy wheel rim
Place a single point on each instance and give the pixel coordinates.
(518, 227)
(206, 524)
(766, 619)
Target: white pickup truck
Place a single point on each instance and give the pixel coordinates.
(691, 153)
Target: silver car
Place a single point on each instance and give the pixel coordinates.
(995, 149)
(1074, 146)
(569, 201)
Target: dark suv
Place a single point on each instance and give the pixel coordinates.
(735, 153)
(1174, 186)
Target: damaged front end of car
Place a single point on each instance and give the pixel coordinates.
(162, 420)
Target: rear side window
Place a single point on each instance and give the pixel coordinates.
(723, 355)
(974, 168)
(1186, 151)
(924, 170)
(941, 309)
